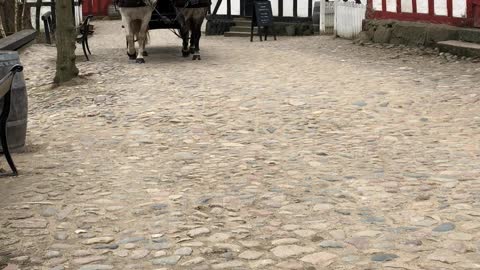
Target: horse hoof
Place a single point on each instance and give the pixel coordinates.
(131, 56)
(145, 53)
(196, 57)
(185, 53)
(140, 61)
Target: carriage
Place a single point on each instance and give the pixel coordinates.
(164, 17)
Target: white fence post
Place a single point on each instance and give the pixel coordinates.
(322, 17)
(335, 18)
(348, 19)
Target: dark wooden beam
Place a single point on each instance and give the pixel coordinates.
(17, 40)
(280, 8)
(295, 8)
(229, 8)
(217, 6)
(242, 7)
(310, 7)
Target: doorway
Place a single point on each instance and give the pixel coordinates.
(246, 7)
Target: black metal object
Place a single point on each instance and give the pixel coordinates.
(262, 18)
(82, 37)
(49, 26)
(6, 93)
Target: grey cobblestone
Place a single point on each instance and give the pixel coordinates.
(301, 153)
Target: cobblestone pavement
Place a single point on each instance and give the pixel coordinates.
(303, 153)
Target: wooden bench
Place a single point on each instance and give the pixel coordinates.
(49, 26)
(6, 93)
(83, 31)
(17, 40)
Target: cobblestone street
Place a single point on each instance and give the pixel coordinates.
(301, 153)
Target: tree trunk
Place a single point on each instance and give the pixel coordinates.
(65, 39)
(25, 16)
(15, 16)
(2, 29)
(9, 20)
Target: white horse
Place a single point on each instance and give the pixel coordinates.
(136, 15)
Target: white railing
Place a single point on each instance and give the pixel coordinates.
(327, 18)
(348, 19)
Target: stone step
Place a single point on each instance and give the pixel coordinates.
(469, 35)
(242, 19)
(242, 29)
(461, 48)
(237, 34)
(242, 23)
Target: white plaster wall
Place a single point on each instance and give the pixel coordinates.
(407, 6)
(459, 8)
(441, 7)
(288, 8)
(377, 5)
(392, 5)
(274, 7)
(222, 9)
(422, 6)
(302, 8)
(235, 7)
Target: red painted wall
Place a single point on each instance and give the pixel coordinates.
(96, 7)
(473, 14)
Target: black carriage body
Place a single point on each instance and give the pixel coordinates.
(167, 11)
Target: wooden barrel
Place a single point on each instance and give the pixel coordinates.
(17, 119)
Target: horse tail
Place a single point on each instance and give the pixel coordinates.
(135, 26)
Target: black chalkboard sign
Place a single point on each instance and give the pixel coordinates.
(263, 13)
(262, 18)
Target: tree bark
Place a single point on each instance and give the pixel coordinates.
(65, 39)
(9, 19)
(25, 17)
(2, 28)
(15, 16)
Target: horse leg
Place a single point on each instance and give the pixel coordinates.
(197, 29)
(184, 33)
(142, 38)
(146, 41)
(130, 39)
(192, 42)
(197, 20)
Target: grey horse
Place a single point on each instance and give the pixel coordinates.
(191, 14)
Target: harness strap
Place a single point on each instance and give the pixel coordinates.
(130, 3)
